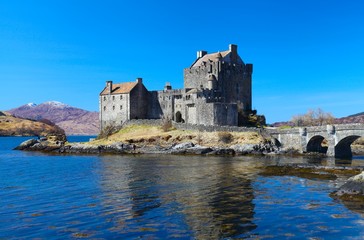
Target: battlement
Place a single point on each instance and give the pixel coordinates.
(217, 88)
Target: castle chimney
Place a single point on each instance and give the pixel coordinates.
(139, 80)
(200, 54)
(109, 86)
(167, 86)
(234, 52)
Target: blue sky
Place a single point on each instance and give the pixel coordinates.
(306, 54)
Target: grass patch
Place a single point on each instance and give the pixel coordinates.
(225, 137)
(155, 135)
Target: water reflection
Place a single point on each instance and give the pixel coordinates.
(211, 199)
(172, 196)
(160, 197)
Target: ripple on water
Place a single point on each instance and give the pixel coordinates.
(157, 197)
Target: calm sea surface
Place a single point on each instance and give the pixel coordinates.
(162, 197)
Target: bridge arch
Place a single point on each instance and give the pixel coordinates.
(317, 144)
(343, 148)
(276, 142)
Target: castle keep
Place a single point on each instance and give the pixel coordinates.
(217, 91)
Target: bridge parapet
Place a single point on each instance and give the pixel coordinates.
(338, 138)
(354, 126)
(338, 127)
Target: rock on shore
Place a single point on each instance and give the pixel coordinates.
(354, 186)
(58, 145)
(46, 144)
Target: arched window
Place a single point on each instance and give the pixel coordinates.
(178, 116)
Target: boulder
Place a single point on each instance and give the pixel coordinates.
(354, 186)
(184, 145)
(48, 144)
(223, 151)
(26, 144)
(56, 138)
(244, 148)
(198, 150)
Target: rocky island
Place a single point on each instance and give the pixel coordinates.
(152, 138)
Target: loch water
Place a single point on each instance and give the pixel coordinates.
(48, 196)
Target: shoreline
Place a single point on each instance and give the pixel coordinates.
(350, 190)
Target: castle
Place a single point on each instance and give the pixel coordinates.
(217, 91)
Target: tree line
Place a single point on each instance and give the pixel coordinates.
(313, 117)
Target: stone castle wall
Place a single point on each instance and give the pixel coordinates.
(196, 77)
(139, 102)
(193, 127)
(114, 109)
(215, 92)
(237, 84)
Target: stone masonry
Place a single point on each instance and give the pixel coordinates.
(217, 92)
(338, 138)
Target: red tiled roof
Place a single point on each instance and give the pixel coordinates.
(224, 56)
(211, 57)
(120, 88)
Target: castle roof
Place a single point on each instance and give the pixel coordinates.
(215, 57)
(192, 91)
(120, 88)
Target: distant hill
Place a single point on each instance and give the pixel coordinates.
(356, 115)
(74, 121)
(13, 126)
(355, 118)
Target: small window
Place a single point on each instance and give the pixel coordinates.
(104, 98)
(121, 107)
(113, 107)
(121, 97)
(113, 98)
(104, 108)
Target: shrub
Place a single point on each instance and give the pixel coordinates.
(225, 137)
(108, 131)
(166, 123)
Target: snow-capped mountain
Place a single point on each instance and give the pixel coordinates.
(74, 121)
(31, 104)
(56, 104)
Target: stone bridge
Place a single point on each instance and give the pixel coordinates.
(311, 139)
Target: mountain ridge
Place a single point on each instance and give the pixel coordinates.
(75, 121)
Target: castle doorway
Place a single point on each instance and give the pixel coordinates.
(178, 116)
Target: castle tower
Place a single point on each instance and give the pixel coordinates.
(232, 77)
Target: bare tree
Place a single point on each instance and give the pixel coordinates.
(315, 117)
(108, 130)
(166, 123)
(298, 120)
